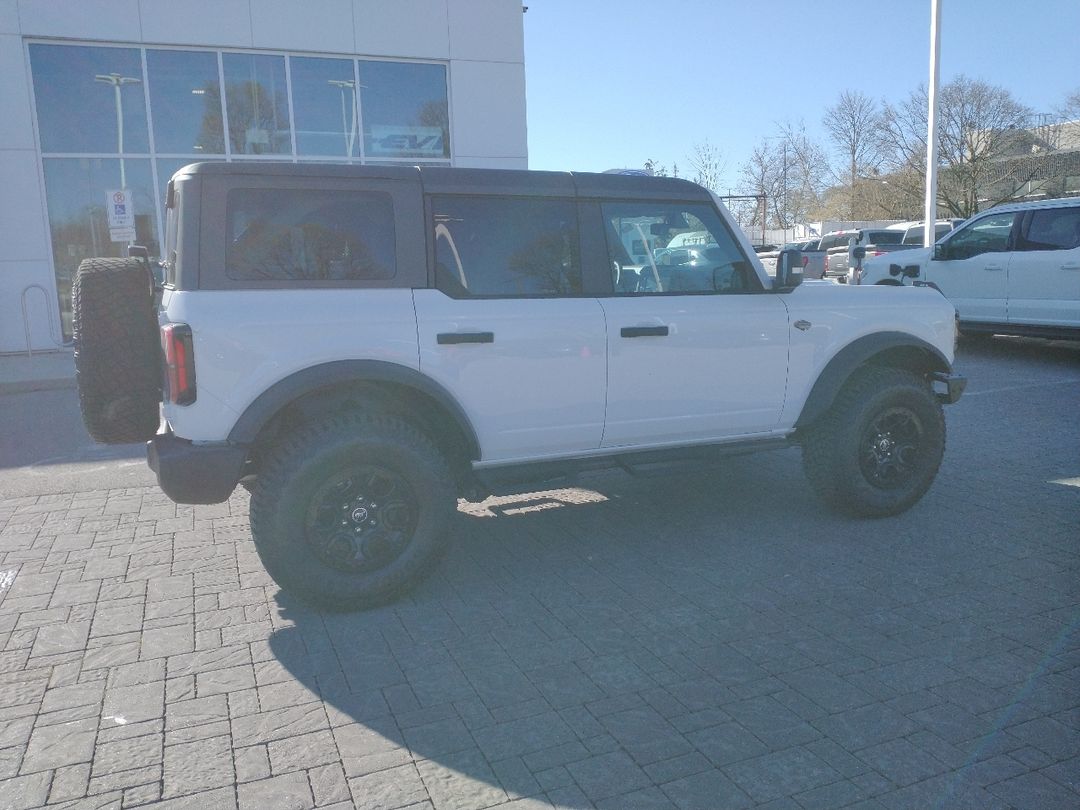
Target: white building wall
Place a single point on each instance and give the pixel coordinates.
(483, 41)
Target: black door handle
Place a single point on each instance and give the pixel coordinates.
(450, 338)
(644, 331)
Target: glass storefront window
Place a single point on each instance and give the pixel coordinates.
(80, 94)
(185, 100)
(257, 104)
(404, 109)
(325, 106)
(75, 190)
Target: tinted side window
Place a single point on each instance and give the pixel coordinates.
(1052, 229)
(676, 248)
(987, 235)
(503, 246)
(309, 235)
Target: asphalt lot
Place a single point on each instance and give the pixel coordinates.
(692, 641)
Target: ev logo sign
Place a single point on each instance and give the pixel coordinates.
(411, 141)
(120, 210)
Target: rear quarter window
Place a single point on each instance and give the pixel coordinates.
(309, 235)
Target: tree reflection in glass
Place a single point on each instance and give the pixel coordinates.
(256, 104)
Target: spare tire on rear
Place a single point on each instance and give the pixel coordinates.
(117, 350)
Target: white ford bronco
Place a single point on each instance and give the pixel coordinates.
(362, 346)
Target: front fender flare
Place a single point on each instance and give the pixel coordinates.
(856, 354)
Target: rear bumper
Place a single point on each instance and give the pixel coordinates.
(195, 473)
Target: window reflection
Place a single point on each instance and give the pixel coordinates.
(325, 106)
(257, 104)
(81, 93)
(185, 99)
(76, 196)
(404, 110)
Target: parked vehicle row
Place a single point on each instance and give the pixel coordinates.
(1014, 269)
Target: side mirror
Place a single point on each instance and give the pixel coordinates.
(789, 265)
(858, 252)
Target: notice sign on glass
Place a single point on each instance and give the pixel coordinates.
(120, 210)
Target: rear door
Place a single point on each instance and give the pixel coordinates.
(509, 329)
(971, 267)
(1044, 272)
(698, 350)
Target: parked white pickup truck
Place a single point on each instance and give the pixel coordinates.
(1014, 269)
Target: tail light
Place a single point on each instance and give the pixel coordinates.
(826, 262)
(805, 261)
(876, 253)
(179, 363)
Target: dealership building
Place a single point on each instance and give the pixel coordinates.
(102, 100)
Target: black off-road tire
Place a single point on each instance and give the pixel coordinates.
(117, 350)
(847, 450)
(289, 495)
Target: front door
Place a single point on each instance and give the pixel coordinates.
(697, 349)
(971, 267)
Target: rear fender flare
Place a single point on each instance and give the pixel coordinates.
(326, 375)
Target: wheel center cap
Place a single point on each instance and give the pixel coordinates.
(884, 446)
(359, 514)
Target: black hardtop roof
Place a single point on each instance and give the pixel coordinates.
(445, 180)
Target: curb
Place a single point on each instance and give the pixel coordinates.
(29, 386)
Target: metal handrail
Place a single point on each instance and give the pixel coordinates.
(53, 319)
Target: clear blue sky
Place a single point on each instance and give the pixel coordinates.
(611, 83)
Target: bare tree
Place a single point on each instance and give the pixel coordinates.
(805, 167)
(708, 165)
(1070, 109)
(759, 177)
(853, 123)
(981, 127)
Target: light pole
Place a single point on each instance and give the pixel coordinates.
(117, 81)
(347, 130)
(931, 126)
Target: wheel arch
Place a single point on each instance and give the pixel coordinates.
(337, 384)
(889, 349)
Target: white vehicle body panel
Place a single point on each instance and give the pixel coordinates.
(840, 314)
(248, 340)
(1044, 288)
(720, 371)
(978, 287)
(556, 372)
(538, 388)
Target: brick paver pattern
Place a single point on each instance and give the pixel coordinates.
(711, 640)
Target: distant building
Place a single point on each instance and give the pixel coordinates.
(102, 101)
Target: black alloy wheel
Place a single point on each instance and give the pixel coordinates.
(362, 519)
(889, 453)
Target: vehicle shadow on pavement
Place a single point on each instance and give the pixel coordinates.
(567, 649)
